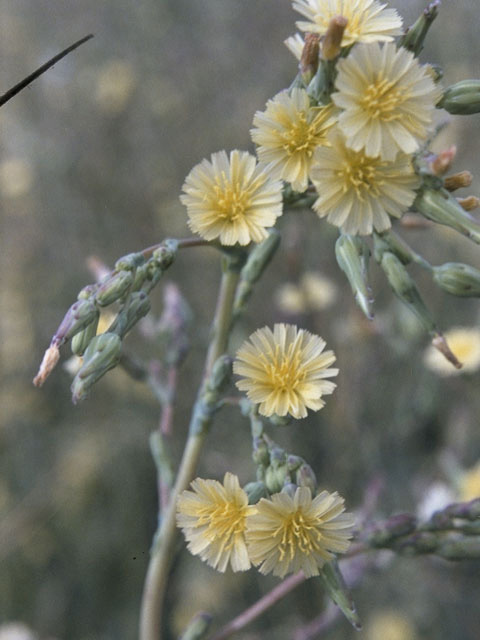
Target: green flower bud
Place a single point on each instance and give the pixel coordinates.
(129, 262)
(80, 315)
(82, 339)
(114, 288)
(458, 279)
(165, 254)
(294, 462)
(101, 355)
(257, 261)
(275, 478)
(139, 277)
(220, 375)
(415, 36)
(352, 256)
(87, 292)
(462, 98)
(137, 306)
(305, 477)
(261, 454)
(404, 287)
(255, 491)
(198, 627)
(441, 207)
(336, 588)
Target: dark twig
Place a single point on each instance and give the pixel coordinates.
(33, 76)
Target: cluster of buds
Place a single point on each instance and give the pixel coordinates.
(128, 285)
(452, 533)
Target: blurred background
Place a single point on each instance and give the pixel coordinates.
(92, 159)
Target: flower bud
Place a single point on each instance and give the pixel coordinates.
(220, 375)
(129, 262)
(165, 254)
(294, 462)
(198, 627)
(255, 491)
(305, 477)
(441, 207)
(405, 289)
(275, 478)
(80, 315)
(114, 288)
(442, 162)
(81, 340)
(458, 181)
(137, 306)
(337, 589)
(255, 265)
(458, 279)
(261, 454)
(101, 355)
(352, 256)
(462, 98)
(415, 36)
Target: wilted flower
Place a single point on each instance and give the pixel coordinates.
(388, 100)
(368, 20)
(233, 199)
(286, 534)
(212, 518)
(284, 370)
(288, 132)
(359, 193)
(464, 342)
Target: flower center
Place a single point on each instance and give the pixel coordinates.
(462, 349)
(301, 136)
(284, 369)
(359, 172)
(232, 200)
(381, 100)
(224, 521)
(298, 533)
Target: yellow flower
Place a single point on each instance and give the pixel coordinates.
(388, 100)
(465, 344)
(358, 193)
(288, 132)
(469, 484)
(368, 20)
(286, 534)
(284, 370)
(212, 518)
(233, 199)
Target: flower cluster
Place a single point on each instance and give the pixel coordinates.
(282, 534)
(352, 132)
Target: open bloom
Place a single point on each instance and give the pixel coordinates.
(212, 518)
(286, 534)
(388, 100)
(288, 132)
(368, 20)
(233, 199)
(284, 370)
(358, 193)
(464, 342)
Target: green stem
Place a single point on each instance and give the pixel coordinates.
(162, 552)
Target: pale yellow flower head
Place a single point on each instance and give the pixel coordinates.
(388, 100)
(284, 370)
(368, 20)
(231, 198)
(286, 534)
(288, 132)
(390, 625)
(464, 342)
(358, 193)
(213, 517)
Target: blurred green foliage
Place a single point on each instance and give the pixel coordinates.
(93, 156)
